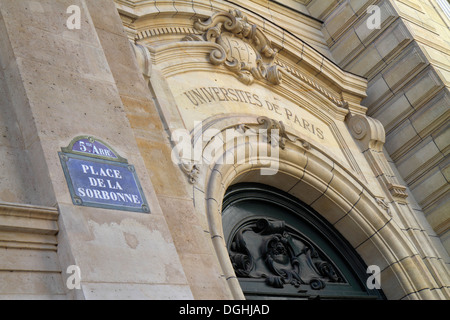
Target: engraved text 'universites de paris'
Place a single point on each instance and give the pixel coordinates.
(207, 95)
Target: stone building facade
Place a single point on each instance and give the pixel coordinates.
(203, 149)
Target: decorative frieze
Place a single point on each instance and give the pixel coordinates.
(314, 85)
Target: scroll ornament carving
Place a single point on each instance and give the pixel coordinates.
(242, 47)
(370, 132)
(267, 249)
(383, 204)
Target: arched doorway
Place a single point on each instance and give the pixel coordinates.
(310, 174)
(281, 248)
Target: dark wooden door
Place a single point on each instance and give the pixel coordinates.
(282, 249)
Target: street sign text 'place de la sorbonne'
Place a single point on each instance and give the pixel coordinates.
(98, 177)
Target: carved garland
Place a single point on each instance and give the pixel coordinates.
(280, 136)
(242, 47)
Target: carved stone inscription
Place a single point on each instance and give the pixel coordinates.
(206, 95)
(267, 249)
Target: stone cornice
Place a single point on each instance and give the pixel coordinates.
(180, 57)
(347, 89)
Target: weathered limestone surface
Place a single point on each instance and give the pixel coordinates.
(61, 86)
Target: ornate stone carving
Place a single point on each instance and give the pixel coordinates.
(268, 249)
(382, 203)
(271, 131)
(192, 171)
(242, 47)
(144, 59)
(270, 124)
(368, 130)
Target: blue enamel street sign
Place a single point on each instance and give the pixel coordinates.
(96, 182)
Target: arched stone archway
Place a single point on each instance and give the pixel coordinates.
(304, 171)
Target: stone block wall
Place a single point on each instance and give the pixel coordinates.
(60, 83)
(407, 63)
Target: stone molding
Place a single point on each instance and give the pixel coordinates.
(251, 127)
(348, 89)
(29, 264)
(28, 219)
(28, 227)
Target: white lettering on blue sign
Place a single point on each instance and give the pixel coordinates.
(104, 183)
(95, 148)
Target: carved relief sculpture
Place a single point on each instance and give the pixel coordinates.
(268, 249)
(242, 47)
(274, 132)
